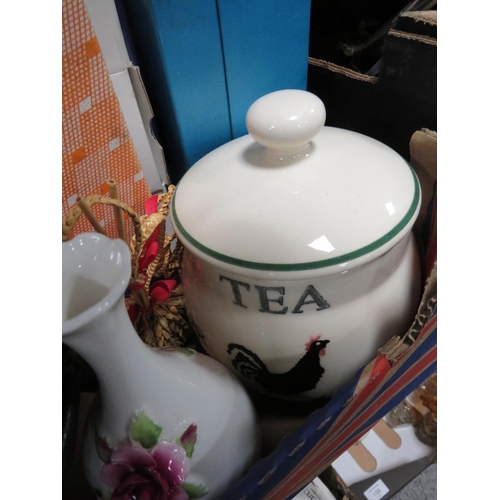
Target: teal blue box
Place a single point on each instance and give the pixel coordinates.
(265, 45)
(204, 62)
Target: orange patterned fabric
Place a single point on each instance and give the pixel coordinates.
(96, 142)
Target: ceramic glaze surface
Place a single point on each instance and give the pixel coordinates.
(176, 419)
(286, 121)
(302, 338)
(299, 258)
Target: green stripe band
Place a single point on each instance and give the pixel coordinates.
(304, 266)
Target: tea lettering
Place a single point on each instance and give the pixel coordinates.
(264, 298)
(316, 299)
(235, 285)
(269, 294)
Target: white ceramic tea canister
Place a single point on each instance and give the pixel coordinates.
(300, 261)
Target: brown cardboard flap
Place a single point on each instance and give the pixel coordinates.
(392, 106)
(341, 70)
(428, 16)
(423, 153)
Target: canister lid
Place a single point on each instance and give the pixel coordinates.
(294, 195)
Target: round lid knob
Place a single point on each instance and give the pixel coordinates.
(287, 120)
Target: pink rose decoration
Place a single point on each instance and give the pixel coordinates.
(135, 473)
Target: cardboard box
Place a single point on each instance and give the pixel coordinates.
(205, 61)
(327, 432)
(399, 100)
(130, 91)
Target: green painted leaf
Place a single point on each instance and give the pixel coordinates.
(194, 490)
(144, 430)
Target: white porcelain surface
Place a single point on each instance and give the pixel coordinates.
(286, 121)
(301, 246)
(357, 311)
(176, 389)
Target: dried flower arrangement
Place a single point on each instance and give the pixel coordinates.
(154, 297)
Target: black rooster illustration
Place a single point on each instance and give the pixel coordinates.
(302, 377)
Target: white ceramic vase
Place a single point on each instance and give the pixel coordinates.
(167, 424)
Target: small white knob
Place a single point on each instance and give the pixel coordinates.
(287, 120)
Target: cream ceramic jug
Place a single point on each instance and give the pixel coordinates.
(167, 424)
(299, 262)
